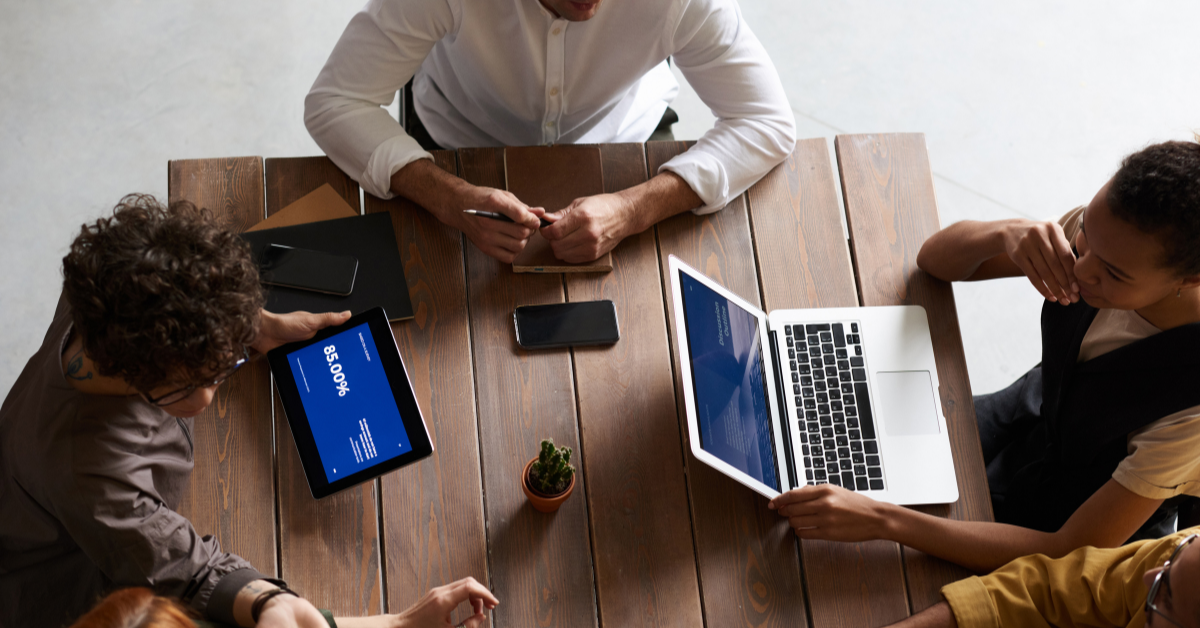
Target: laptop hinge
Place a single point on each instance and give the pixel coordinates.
(783, 423)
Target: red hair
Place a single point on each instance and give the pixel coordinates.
(136, 608)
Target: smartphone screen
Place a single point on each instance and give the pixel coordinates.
(564, 324)
(307, 269)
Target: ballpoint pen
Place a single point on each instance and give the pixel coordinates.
(500, 217)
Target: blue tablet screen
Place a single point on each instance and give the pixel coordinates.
(728, 383)
(349, 402)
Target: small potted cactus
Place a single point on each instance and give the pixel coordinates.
(549, 478)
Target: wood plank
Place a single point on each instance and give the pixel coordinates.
(748, 565)
(433, 511)
(891, 210)
(231, 494)
(804, 262)
(637, 493)
(541, 563)
(290, 178)
(329, 549)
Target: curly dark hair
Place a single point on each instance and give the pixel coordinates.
(162, 295)
(1157, 190)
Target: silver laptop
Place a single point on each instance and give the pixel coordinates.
(845, 396)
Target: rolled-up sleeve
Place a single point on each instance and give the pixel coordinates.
(380, 50)
(109, 506)
(732, 73)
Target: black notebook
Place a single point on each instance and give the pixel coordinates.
(370, 238)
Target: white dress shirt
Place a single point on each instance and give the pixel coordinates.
(510, 73)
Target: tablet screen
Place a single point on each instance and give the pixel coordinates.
(351, 410)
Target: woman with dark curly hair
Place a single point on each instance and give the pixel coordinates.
(160, 305)
(1101, 441)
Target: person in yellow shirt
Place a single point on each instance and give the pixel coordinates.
(1150, 583)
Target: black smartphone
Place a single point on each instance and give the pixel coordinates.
(566, 324)
(307, 269)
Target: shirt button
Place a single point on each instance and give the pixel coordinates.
(556, 31)
(553, 91)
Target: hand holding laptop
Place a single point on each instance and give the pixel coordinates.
(831, 513)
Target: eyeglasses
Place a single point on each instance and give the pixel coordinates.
(176, 396)
(1163, 577)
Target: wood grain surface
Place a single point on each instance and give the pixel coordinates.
(632, 461)
(290, 178)
(329, 548)
(433, 511)
(231, 494)
(748, 565)
(804, 262)
(542, 562)
(891, 210)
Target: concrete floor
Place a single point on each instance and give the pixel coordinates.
(1027, 107)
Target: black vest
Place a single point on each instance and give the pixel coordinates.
(1088, 411)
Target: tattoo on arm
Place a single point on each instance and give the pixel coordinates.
(75, 366)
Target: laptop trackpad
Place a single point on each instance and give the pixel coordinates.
(905, 401)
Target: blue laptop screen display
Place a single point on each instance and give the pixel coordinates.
(727, 378)
(349, 403)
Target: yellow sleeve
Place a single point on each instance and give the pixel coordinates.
(1088, 587)
(971, 604)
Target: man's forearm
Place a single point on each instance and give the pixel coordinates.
(664, 195)
(427, 185)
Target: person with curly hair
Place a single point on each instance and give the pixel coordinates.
(1099, 442)
(159, 306)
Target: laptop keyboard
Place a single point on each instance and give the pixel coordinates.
(829, 385)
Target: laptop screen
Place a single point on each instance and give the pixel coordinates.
(727, 372)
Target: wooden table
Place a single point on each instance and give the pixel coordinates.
(651, 537)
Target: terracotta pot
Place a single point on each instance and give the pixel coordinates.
(542, 502)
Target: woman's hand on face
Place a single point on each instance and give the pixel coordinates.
(1042, 252)
(280, 329)
(832, 513)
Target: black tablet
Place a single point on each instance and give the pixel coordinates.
(348, 400)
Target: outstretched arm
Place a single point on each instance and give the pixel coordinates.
(435, 609)
(937, 616)
(832, 513)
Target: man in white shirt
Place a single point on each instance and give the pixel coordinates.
(532, 72)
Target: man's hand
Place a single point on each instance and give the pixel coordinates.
(1042, 252)
(434, 609)
(280, 329)
(289, 611)
(832, 513)
(446, 196)
(590, 227)
(497, 239)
